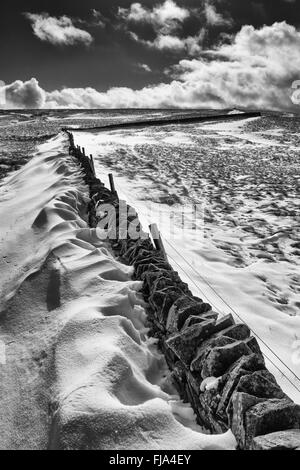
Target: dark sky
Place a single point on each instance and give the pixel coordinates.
(111, 60)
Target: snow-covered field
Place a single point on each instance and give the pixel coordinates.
(239, 249)
(75, 360)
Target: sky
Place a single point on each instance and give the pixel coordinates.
(150, 54)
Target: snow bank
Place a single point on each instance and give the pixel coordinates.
(78, 364)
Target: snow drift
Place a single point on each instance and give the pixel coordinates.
(78, 371)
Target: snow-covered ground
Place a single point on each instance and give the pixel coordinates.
(75, 360)
(239, 249)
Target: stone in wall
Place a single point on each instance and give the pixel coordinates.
(182, 309)
(149, 278)
(253, 345)
(240, 403)
(281, 440)
(186, 342)
(136, 247)
(179, 375)
(225, 321)
(243, 366)
(221, 358)
(147, 264)
(207, 413)
(193, 319)
(270, 416)
(238, 332)
(261, 384)
(163, 282)
(203, 351)
(171, 295)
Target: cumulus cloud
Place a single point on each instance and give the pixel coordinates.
(58, 31)
(27, 94)
(144, 67)
(256, 70)
(162, 95)
(213, 17)
(99, 19)
(165, 17)
(191, 44)
(167, 20)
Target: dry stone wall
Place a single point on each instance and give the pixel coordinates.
(215, 364)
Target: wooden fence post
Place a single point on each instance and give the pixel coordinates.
(157, 240)
(112, 183)
(92, 164)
